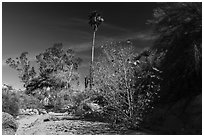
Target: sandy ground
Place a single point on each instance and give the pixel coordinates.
(35, 125)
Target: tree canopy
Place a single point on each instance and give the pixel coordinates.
(179, 30)
(56, 68)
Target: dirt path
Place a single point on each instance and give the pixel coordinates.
(35, 125)
(26, 123)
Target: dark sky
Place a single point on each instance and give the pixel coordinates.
(34, 27)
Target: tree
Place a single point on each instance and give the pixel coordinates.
(127, 81)
(179, 30)
(95, 20)
(57, 68)
(23, 66)
(114, 71)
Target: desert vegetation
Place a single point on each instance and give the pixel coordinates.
(158, 89)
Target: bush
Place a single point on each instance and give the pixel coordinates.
(65, 100)
(10, 102)
(77, 99)
(129, 83)
(28, 101)
(62, 101)
(90, 111)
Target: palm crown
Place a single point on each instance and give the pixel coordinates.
(95, 20)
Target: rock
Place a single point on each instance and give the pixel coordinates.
(42, 111)
(22, 111)
(35, 111)
(45, 120)
(94, 106)
(50, 113)
(9, 124)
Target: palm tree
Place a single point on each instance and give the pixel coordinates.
(95, 20)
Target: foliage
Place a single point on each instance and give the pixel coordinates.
(77, 98)
(23, 66)
(95, 20)
(10, 102)
(90, 106)
(28, 101)
(62, 100)
(179, 30)
(127, 82)
(57, 69)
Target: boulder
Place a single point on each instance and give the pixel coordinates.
(9, 124)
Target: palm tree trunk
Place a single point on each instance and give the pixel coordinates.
(92, 58)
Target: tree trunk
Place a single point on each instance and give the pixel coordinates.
(70, 75)
(129, 95)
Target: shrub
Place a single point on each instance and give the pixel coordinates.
(65, 100)
(28, 101)
(10, 102)
(128, 82)
(77, 98)
(90, 110)
(62, 100)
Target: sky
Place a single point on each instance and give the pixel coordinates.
(34, 27)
